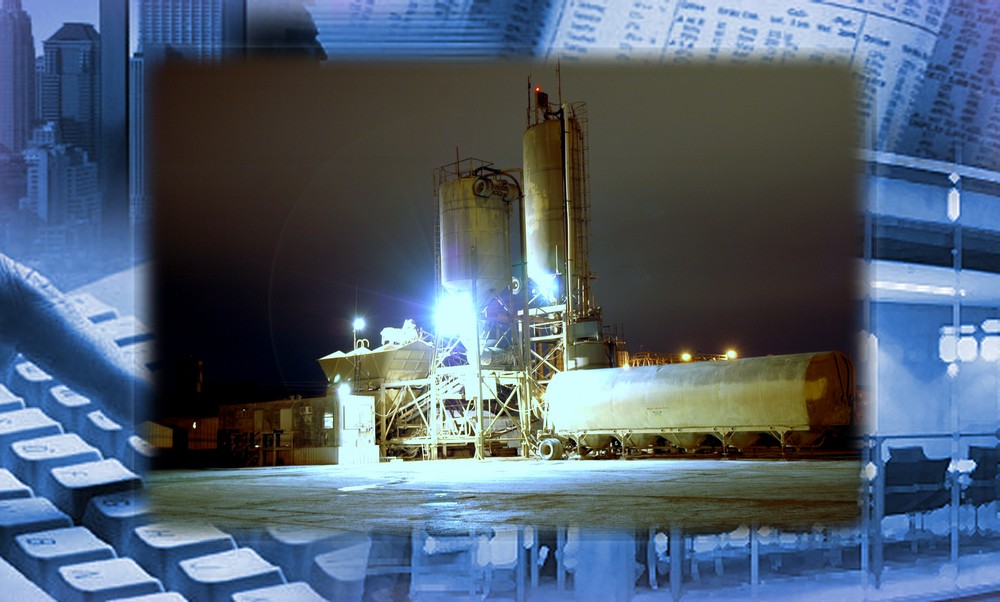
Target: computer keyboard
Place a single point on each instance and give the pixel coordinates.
(74, 521)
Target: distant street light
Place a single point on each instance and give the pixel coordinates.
(731, 354)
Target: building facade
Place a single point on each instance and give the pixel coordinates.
(17, 76)
(195, 30)
(113, 151)
(70, 85)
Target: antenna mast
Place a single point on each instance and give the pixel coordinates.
(559, 80)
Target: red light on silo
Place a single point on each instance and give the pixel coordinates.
(538, 89)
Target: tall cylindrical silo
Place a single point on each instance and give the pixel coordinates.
(475, 237)
(544, 200)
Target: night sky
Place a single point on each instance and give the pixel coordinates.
(723, 203)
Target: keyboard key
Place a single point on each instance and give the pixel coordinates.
(103, 580)
(74, 485)
(32, 459)
(292, 547)
(29, 423)
(219, 576)
(16, 586)
(159, 547)
(141, 353)
(67, 406)
(288, 592)
(114, 517)
(92, 308)
(11, 488)
(8, 401)
(125, 331)
(138, 454)
(40, 554)
(158, 597)
(341, 574)
(30, 382)
(105, 433)
(27, 515)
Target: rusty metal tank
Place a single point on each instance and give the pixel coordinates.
(475, 236)
(794, 398)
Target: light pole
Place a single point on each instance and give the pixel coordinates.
(359, 324)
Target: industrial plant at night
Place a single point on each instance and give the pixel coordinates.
(520, 362)
(422, 329)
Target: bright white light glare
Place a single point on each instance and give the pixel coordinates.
(731, 354)
(344, 390)
(909, 287)
(456, 316)
(968, 349)
(686, 357)
(954, 204)
(948, 348)
(990, 349)
(548, 286)
(359, 324)
(991, 326)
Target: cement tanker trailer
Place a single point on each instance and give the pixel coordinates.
(788, 400)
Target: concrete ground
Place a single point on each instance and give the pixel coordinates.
(456, 495)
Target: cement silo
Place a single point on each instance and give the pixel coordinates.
(475, 235)
(544, 204)
(556, 203)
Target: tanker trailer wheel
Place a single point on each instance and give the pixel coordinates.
(550, 449)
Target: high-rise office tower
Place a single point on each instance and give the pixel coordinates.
(196, 30)
(62, 182)
(70, 86)
(139, 205)
(17, 76)
(199, 31)
(113, 155)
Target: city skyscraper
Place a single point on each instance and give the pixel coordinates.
(62, 185)
(139, 205)
(113, 155)
(196, 30)
(70, 85)
(199, 31)
(62, 199)
(17, 76)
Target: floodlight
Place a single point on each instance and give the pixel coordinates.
(455, 316)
